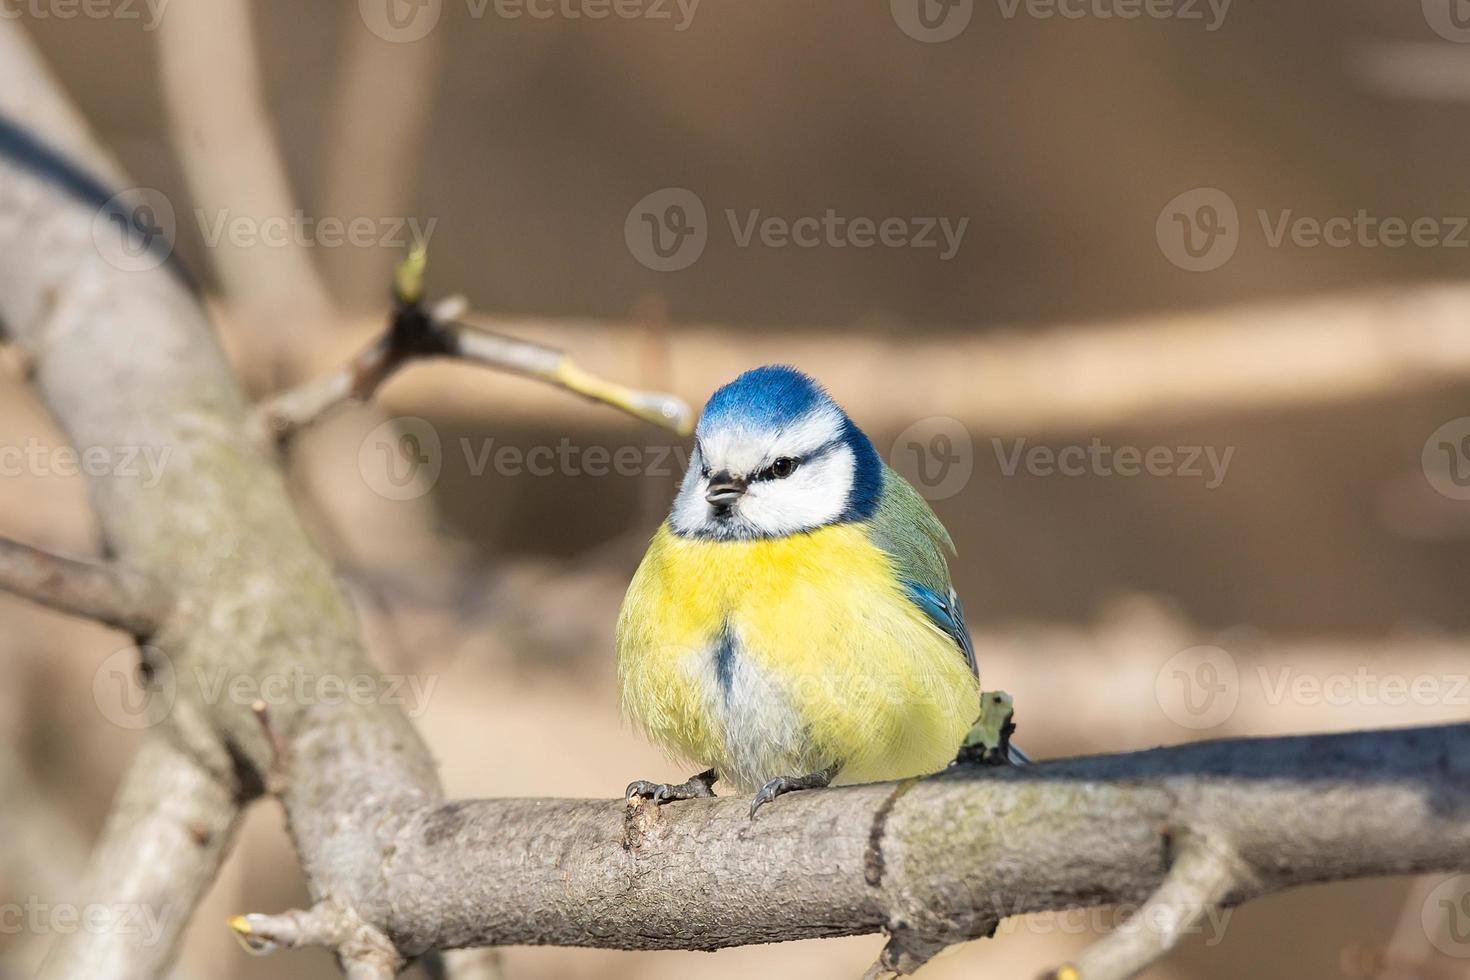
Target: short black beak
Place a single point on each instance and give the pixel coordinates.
(724, 489)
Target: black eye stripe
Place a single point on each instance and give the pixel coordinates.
(764, 473)
(769, 473)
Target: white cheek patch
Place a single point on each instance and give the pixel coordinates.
(814, 495)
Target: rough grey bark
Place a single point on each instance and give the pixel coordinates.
(128, 359)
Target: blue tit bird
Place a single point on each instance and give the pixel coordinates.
(793, 623)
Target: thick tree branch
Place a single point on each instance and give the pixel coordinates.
(125, 357)
(943, 859)
(108, 593)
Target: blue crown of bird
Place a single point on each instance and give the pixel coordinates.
(793, 624)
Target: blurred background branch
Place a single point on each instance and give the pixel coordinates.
(225, 140)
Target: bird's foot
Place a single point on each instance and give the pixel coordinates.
(790, 784)
(693, 788)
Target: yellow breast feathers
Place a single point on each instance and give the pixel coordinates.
(783, 656)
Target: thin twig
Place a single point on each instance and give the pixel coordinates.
(275, 782)
(320, 925)
(107, 593)
(365, 952)
(417, 332)
(555, 367)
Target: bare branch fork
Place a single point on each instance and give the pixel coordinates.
(417, 331)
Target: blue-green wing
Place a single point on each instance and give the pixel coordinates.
(905, 527)
(948, 615)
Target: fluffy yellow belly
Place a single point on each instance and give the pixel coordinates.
(785, 656)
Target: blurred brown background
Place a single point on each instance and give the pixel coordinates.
(1333, 546)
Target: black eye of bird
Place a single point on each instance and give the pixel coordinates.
(783, 467)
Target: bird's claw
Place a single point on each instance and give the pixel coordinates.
(788, 784)
(693, 788)
(767, 793)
